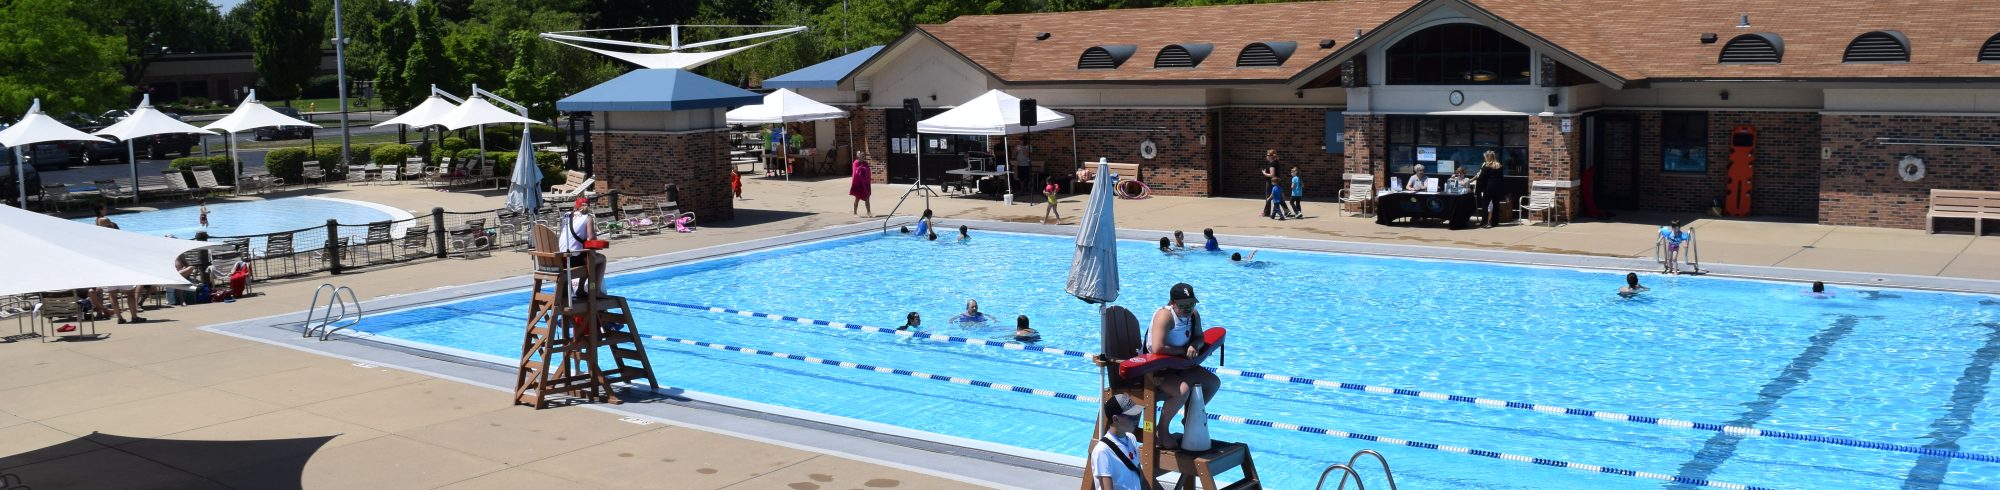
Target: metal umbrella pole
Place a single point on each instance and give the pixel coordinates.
(131, 157)
(21, 175)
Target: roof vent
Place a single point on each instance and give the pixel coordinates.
(1878, 47)
(1267, 53)
(1759, 47)
(1990, 52)
(1105, 57)
(1041, 36)
(1182, 55)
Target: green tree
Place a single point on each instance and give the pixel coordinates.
(233, 33)
(479, 54)
(426, 63)
(75, 68)
(394, 38)
(286, 41)
(150, 28)
(531, 82)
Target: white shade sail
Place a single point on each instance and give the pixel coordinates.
(993, 113)
(476, 111)
(146, 121)
(252, 114)
(40, 128)
(55, 254)
(423, 115)
(784, 106)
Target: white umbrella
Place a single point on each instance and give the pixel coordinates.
(476, 111)
(251, 114)
(144, 121)
(1093, 272)
(36, 128)
(423, 115)
(524, 194)
(993, 113)
(784, 106)
(56, 254)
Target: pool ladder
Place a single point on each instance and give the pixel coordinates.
(1347, 470)
(1691, 257)
(327, 321)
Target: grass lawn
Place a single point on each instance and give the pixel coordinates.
(324, 139)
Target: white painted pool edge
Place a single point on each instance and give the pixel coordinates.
(398, 215)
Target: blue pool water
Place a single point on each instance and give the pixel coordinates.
(249, 217)
(1891, 366)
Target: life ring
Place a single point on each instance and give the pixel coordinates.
(1148, 363)
(1133, 189)
(1911, 168)
(1148, 149)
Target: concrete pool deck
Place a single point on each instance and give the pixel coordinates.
(439, 427)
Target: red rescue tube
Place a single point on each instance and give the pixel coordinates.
(1148, 363)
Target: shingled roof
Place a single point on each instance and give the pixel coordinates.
(1635, 42)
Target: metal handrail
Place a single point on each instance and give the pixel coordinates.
(336, 325)
(329, 322)
(1343, 478)
(310, 308)
(1390, 475)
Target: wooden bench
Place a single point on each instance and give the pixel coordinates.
(1978, 205)
(1130, 171)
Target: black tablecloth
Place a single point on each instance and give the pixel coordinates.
(1457, 209)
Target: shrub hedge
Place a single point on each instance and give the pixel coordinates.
(391, 154)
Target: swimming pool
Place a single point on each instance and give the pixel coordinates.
(1879, 367)
(253, 217)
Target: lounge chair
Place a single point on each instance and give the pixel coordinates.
(471, 239)
(357, 174)
(221, 265)
(312, 173)
(573, 182)
(416, 241)
(63, 306)
(387, 174)
(279, 246)
(638, 221)
(339, 250)
(112, 191)
(260, 183)
(204, 180)
(54, 196)
(21, 308)
(378, 234)
(239, 245)
(177, 183)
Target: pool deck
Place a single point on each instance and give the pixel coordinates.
(435, 423)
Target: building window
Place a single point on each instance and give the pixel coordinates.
(1443, 143)
(1684, 141)
(1459, 54)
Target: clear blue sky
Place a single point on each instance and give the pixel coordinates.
(225, 4)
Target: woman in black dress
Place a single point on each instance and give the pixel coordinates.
(1488, 182)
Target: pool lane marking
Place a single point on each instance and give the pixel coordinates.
(1224, 418)
(1722, 430)
(1966, 396)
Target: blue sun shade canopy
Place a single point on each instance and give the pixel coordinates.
(826, 74)
(658, 90)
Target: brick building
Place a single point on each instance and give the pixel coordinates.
(1604, 100)
(658, 127)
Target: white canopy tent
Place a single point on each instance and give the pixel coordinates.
(56, 254)
(476, 111)
(144, 121)
(36, 127)
(781, 107)
(251, 114)
(993, 113)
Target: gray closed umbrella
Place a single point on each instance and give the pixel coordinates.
(1093, 274)
(525, 193)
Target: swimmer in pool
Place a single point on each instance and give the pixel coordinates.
(972, 314)
(1211, 245)
(1632, 287)
(1819, 291)
(1166, 247)
(1023, 333)
(911, 321)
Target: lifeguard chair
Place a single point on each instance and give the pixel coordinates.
(1122, 339)
(565, 329)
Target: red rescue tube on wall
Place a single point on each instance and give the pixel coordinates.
(1742, 143)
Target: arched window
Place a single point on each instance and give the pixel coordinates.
(1182, 55)
(1990, 52)
(1459, 54)
(1878, 47)
(1105, 57)
(1759, 47)
(1266, 54)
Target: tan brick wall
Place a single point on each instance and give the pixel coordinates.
(1555, 155)
(1785, 182)
(1299, 134)
(1859, 185)
(644, 163)
(1367, 148)
(1181, 168)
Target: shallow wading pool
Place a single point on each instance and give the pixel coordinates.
(1466, 375)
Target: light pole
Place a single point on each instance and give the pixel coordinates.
(340, 78)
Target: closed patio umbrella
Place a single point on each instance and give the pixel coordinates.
(36, 127)
(524, 192)
(1093, 272)
(144, 121)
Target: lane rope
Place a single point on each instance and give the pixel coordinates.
(1605, 415)
(1221, 418)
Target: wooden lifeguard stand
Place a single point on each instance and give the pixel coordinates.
(559, 351)
(1121, 339)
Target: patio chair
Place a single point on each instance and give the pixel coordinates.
(54, 196)
(204, 180)
(239, 245)
(260, 183)
(416, 241)
(573, 181)
(378, 234)
(63, 306)
(639, 221)
(387, 174)
(1538, 201)
(1361, 193)
(21, 308)
(513, 228)
(279, 246)
(471, 239)
(312, 173)
(222, 265)
(339, 250)
(177, 183)
(357, 174)
(111, 190)
(485, 175)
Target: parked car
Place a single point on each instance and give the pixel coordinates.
(42, 156)
(10, 188)
(157, 146)
(282, 132)
(86, 152)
